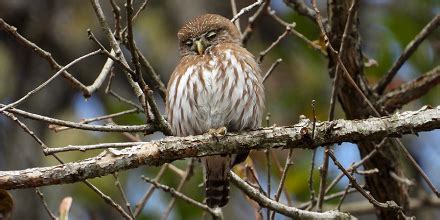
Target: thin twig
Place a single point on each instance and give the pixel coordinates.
(409, 91)
(180, 195)
(271, 69)
(409, 50)
(417, 166)
(272, 13)
(143, 201)
(302, 9)
(115, 47)
(159, 120)
(247, 9)
(43, 201)
(188, 174)
(278, 207)
(234, 13)
(329, 197)
(123, 195)
(108, 200)
(48, 81)
(147, 128)
(287, 165)
(269, 177)
(387, 205)
(251, 22)
(341, 200)
(276, 42)
(43, 54)
(356, 165)
(312, 165)
(99, 118)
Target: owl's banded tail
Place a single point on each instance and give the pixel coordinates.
(217, 180)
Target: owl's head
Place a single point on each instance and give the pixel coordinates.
(204, 32)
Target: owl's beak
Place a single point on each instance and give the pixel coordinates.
(200, 47)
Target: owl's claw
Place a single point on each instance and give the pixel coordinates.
(217, 132)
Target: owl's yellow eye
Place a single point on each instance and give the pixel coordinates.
(188, 43)
(211, 35)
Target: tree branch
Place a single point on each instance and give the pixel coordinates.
(409, 91)
(169, 149)
(409, 50)
(293, 212)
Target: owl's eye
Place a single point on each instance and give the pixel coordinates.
(211, 35)
(188, 43)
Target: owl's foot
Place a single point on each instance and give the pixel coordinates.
(217, 132)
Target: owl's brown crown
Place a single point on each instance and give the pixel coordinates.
(203, 24)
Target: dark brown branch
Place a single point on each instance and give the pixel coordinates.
(409, 50)
(174, 148)
(410, 91)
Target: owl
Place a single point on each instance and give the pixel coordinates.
(216, 84)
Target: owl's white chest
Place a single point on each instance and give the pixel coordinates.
(217, 93)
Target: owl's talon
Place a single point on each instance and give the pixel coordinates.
(217, 132)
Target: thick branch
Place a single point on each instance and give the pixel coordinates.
(174, 148)
(410, 91)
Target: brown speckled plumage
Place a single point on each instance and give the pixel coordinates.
(217, 83)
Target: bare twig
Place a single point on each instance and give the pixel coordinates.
(115, 47)
(409, 50)
(276, 42)
(180, 195)
(108, 200)
(269, 177)
(409, 91)
(234, 13)
(43, 54)
(38, 88)
(251, 22)
(153, 78)
(43, 201)
(159, 120)
(283, 179)
(328, 197)
(301, 7)
(418, 168)
(147, 128)
(188, 174)
(99, 118)
(143, 201)
(271, 69)
(273, 14)
(356, 165)
(387, 205)
(312, 166)
(123, 195)
(278, 207)
(247, 9)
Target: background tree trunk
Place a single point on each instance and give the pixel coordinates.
(382, 186)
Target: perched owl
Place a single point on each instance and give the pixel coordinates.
(216, 84)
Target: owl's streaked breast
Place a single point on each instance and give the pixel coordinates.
(218, 89)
